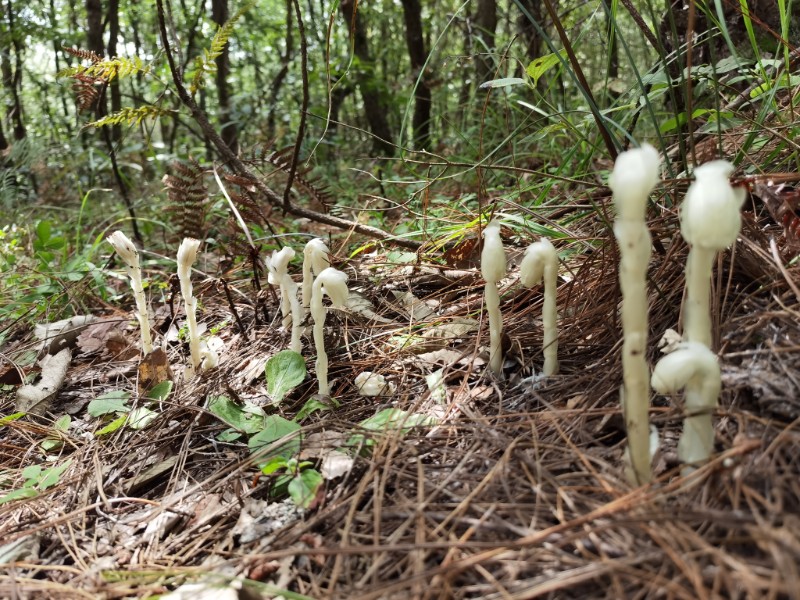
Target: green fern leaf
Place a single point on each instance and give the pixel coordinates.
(207, 64)
(129, 116)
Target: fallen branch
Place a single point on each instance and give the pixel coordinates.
(241, 169)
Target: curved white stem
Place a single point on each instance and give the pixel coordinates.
(492, 296)
(541, 263)
(127, 252)
(694, 367)
(333, 283)
(315, 260)
(187, 253)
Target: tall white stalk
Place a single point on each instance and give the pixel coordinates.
(635, 175)
(127, 252)
(332, 283)
(493, 269)
(187, 254)
(541, 263)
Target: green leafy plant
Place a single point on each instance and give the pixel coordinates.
(284, 371)
(206, 64)
(115, 403)
(36, 479)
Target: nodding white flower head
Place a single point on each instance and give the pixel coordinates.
(493, 257)
(279, 264)
(334, 283)
(187, 252)
(124, 247)
(711, 212)
(537, 257)
(635, 174)
(317, 252)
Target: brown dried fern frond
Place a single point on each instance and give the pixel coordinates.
(83, 54)
(282, 160)
(188, 197)
(86, 93)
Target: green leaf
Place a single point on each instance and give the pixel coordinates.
(274, 464)
(504, 82)
(109, 403)
(402, 258)
(229, 435)
(141, 417)
(50, 477)
(390, 419)
(540, 66)
(24, 492)
(53, 442)
(247, 418)
(303, 488)
(275, 428)
(395, 418)
(284, 371)
(43, 231)
(160, 391)
(312, 405)
(12, 417)
(113, 426)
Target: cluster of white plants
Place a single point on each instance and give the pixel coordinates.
(319, 279)
(203, 354)
(710, 222)
(540, 263)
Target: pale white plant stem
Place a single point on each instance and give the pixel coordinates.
(127, 252)
(635, 174)
(541, 264)
(332, 283)
(187, 254)
(493, 269)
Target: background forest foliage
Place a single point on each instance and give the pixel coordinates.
(414, 116)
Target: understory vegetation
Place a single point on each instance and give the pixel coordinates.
(169, 425)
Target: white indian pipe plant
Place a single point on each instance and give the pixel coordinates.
(127, 252)
(187, 254)
(493, 269)
(278, 268)
(315, 260)
(333, 283)
(710, 222)
(693, 367)
(541, 263)
(635, 174)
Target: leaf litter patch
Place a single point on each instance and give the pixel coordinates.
(455, 482)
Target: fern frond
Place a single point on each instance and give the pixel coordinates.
(107, 70)
(130, 116)
(206, 63)
(188, 197)
(86, 93)
(82, 54)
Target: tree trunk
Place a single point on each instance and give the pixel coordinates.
(3, 140)
(113, 34)
(421, 122)
(12, 77)
(486, 24)
(228, 131)
(286, 59)
(375, 109)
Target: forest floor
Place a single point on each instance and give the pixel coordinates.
(514, 488)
